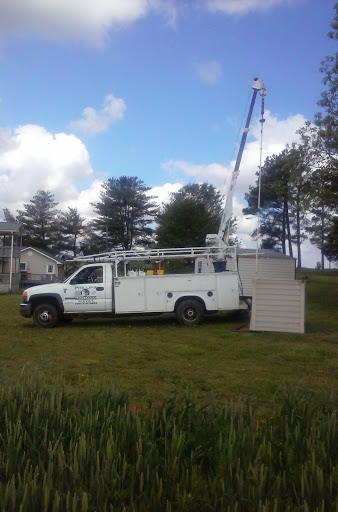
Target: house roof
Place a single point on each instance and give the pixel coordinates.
(262, 253)
(8, 228)
(44, 253)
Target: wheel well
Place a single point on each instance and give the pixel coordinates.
(189, 297)
(47, 299)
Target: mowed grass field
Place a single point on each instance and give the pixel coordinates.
(155, 358)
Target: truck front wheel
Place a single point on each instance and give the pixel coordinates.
(189, 312)
(45, 315)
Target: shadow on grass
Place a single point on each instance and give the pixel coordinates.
(168, 319)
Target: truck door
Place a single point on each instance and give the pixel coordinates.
(87, 291)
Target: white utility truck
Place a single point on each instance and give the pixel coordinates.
(105, 288)
(107, 285)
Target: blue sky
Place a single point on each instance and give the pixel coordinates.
(157, 89)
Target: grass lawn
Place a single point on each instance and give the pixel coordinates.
(152, 358)
(77, 436)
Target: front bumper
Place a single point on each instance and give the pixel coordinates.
(26, 309)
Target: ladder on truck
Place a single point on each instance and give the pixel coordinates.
(212, 253)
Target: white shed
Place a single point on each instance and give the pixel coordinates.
(278, 305)
(271, 265)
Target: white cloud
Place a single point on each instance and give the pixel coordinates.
(238, 7)
(212, 173)
(76, 19)
(31, 158)
(83, 200)
(208, 71)
(277, 133)
(91, 21)
(94, 121)
(162, 193)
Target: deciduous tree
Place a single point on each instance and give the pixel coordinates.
(327, 121)
(192, 212)
(321, 194)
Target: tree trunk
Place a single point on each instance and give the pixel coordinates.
(299, 255)
(283, 230)
(322, 242)
(288, 229)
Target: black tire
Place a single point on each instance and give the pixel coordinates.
(45, 315)
(189, 312)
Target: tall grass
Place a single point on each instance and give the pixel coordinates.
(91, 451)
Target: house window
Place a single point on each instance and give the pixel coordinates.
(50, 269)
(23, 266)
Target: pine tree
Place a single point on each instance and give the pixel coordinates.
(125, 213)
(39, 219)
(285, 196)
(8, 216)
(275, 219)
(71, 227)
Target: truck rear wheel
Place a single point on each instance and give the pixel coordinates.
(45, 315)
(189, 312)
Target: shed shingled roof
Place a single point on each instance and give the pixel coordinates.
(262, 253)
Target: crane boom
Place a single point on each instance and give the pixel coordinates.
(224, 228)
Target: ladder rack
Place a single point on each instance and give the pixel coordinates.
(215, 253)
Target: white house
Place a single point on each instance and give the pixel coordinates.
(38, 266)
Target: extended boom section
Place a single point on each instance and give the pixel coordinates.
(222, 238)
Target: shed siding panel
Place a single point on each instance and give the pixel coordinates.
(276, 267)
(281, 311)
(268, 268)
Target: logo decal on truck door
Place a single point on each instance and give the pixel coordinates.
(85, 295)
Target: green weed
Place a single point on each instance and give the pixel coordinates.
(92, 451)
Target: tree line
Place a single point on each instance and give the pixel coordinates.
(126, 216)
(299, 197)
